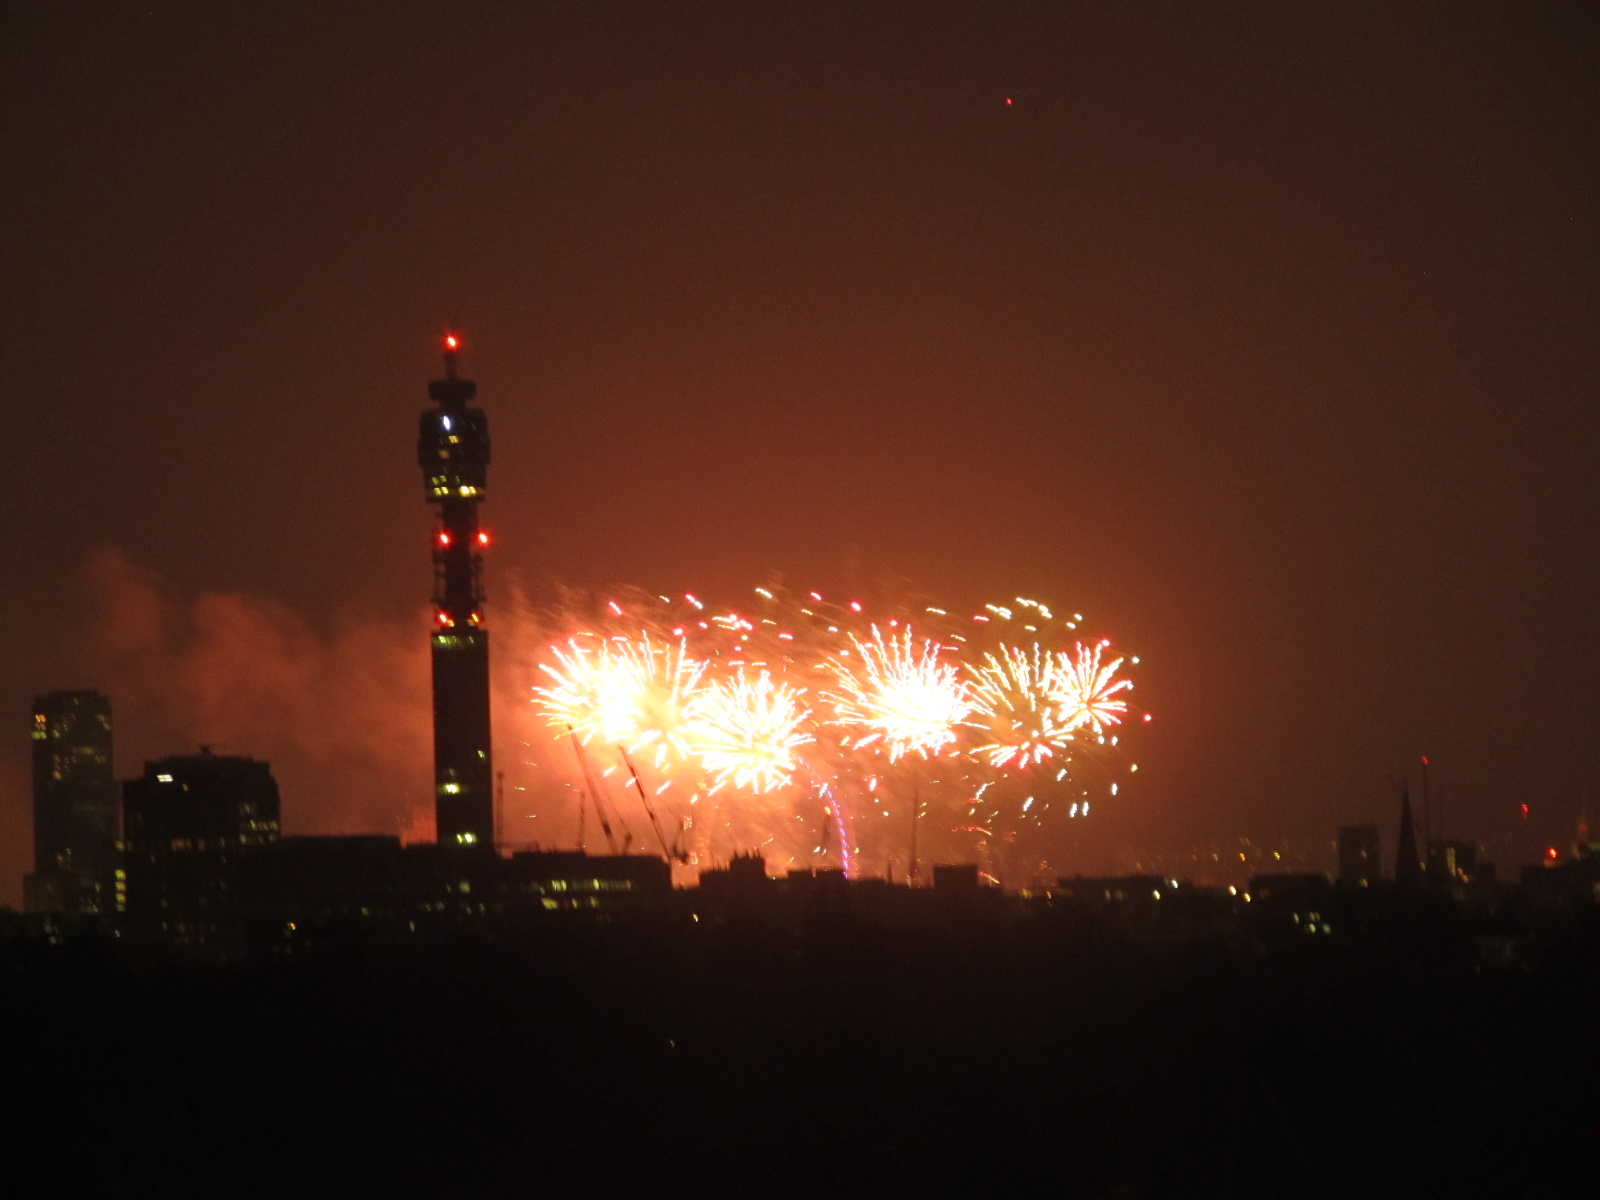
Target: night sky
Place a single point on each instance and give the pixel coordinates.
(1262, 334)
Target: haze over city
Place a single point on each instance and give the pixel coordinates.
(1264, 337)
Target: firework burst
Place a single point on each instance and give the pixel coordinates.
(1088, 685)
(746, 730)
(1019, 702)
(595, 691)
(632, 692)
(899, 694)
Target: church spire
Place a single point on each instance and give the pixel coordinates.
(1407, 863)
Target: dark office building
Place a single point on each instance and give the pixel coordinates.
(74, 807)
(1358, 856)
(453, 451)
(305, 893)
(187, 823)
(745, 874)
(562, 879)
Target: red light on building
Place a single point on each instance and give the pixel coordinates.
(483, 538)
(444, 538)
(1552, 853)
(452, 343)
(1524, 812)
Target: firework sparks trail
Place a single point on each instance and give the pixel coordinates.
(745, 732)
(595, 692)
(1086, 696)
(668, 682)
(899, 694)
(1020, 696)
(632, 692)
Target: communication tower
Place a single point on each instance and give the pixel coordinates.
(453, 451)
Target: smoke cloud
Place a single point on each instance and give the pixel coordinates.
(343, 718)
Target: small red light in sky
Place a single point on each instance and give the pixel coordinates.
(1008, 101)
(1524, 812)
(452, 342)
(1552, 853)
(1424, 760)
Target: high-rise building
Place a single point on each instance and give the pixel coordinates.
(453, 450)
(75, 867)
(1359, 864)
(187, 823)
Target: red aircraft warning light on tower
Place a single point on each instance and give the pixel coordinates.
(453, 451)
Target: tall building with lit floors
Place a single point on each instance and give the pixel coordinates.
(75, 865)
(453, 451)
(188, 824)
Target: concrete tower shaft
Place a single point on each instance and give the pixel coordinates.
(453, 451)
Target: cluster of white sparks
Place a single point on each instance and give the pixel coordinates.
(896, 691)
(746, 731)
(807, 699)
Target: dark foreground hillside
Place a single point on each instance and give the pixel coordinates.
(842, 1059)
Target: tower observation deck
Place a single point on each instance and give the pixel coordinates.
(453, 451)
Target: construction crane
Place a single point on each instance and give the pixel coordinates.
(655, 821)
(592, 782)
